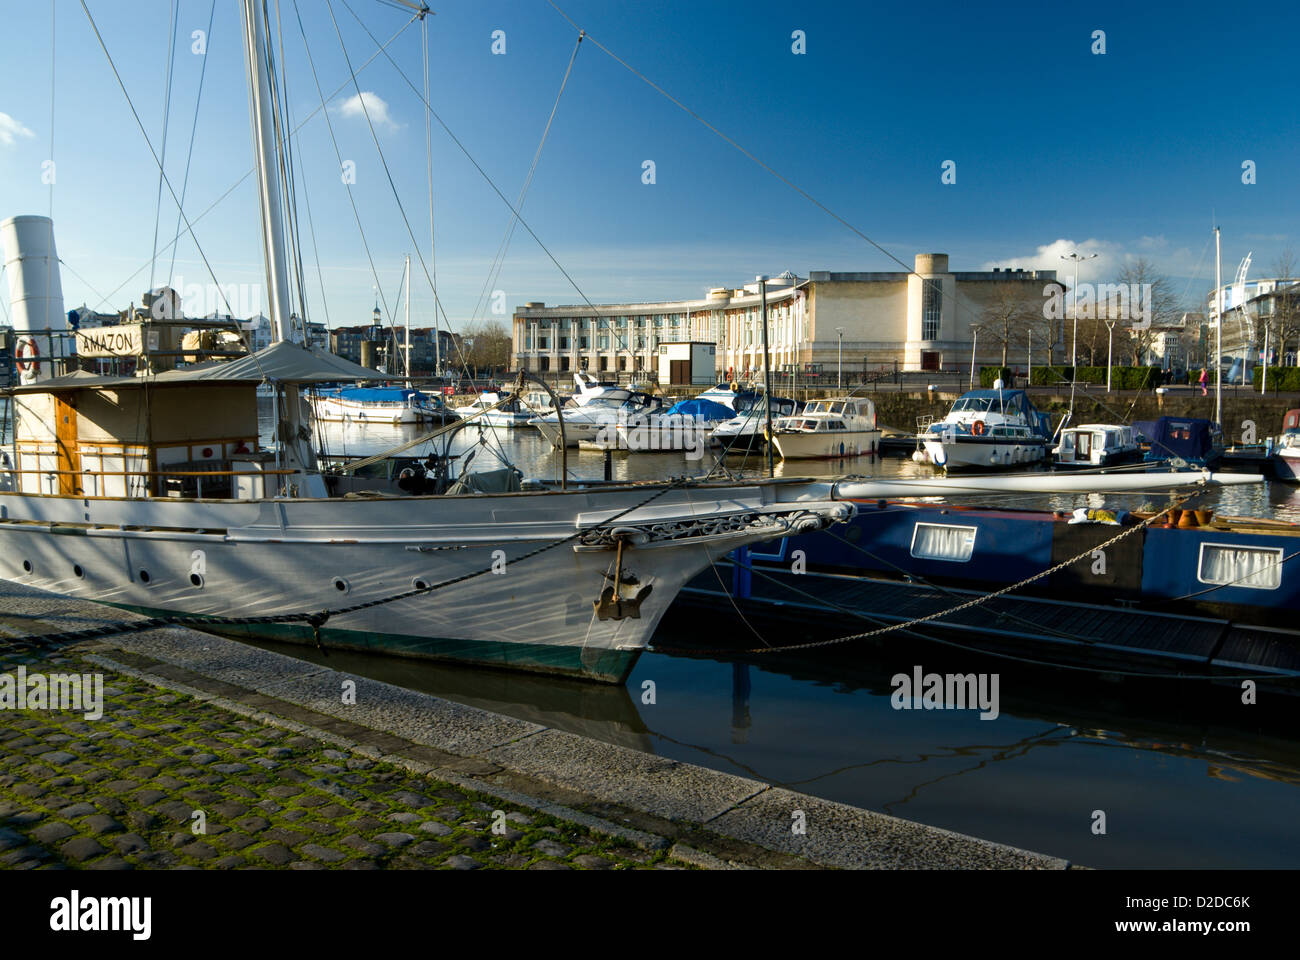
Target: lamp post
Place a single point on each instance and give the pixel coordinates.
(974, 343)
(1074, 346)
(1110, 337)
(839, 363)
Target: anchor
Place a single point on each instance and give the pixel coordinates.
(613, 606)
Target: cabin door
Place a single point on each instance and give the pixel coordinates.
(1084, 441)
(679, 372)
(65, 434)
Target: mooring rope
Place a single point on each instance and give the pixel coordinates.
(930, 617)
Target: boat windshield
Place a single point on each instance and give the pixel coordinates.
(972, 405)
(825, 406)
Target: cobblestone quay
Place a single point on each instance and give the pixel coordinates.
(211, 754)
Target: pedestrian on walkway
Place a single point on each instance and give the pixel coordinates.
(1205, 373)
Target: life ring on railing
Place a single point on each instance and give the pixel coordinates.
(26, 348)
(977, 428)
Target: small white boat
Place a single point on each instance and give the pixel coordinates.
(1097, 445)
(988, 429)
(683, 427)
(379, 405)
(838, 427)
(747, 430)
(512, 414)
(593, 408)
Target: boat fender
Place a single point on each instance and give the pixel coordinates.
(977, 428)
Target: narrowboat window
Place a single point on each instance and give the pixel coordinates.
(937, 541)
(1259, 568)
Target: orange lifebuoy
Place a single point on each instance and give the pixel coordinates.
(977, 428)
(26, 348)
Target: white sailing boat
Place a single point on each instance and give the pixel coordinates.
(154, 494)
(564, 581)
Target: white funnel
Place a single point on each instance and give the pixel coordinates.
(35, 295)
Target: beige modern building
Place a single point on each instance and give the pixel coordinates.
(923, 320)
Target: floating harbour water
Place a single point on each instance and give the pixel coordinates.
(824, 723)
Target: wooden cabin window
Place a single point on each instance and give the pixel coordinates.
(1259, 568)
(938, 541)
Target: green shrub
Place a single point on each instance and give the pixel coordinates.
(1050, 376)
(1280, 379)
(989, 374)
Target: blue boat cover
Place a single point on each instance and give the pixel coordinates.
(701, 409)
(376, 394)
(1187, 437)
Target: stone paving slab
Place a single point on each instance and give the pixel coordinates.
(839, 835)
(652, 784)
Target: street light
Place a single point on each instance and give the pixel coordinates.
(839, 363)
(1110, 335)
(1074, 347)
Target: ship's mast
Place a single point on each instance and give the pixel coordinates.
(291, 429)
(274, 251)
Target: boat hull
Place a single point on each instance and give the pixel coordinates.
(826, 445)
(508, 608)
(979, 453)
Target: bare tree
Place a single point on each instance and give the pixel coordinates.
(1283, 325)
(1093, 333)
(487, 346)
(1009, 315)
(1143, 302)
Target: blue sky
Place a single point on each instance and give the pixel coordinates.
(1136, 152)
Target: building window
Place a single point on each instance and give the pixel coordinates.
(622, 363)
(583, 343)
(931, 309)
(543, 343)
(544, 364)
(604, 344)
(604, 364)
(564, 364)
(564, 343)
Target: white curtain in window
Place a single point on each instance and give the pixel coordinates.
(933, 541)
(1260, 568)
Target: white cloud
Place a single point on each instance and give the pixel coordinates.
(10, 129)
(1048, 257)
(368, 102)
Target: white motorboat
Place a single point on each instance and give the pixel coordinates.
(514, 413)
(389, 405)
(837, 427)
(590, 417)
(682, 428)
(988, 429)
(748, 429)
(1096, 445)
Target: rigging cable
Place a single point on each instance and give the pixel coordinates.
(167, 110)
(194, 126)
(189, 224)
